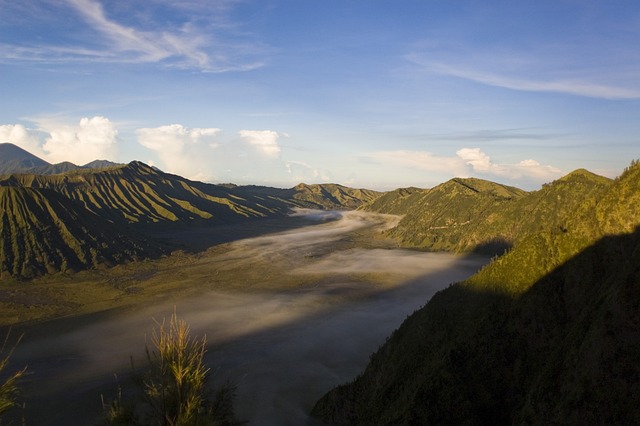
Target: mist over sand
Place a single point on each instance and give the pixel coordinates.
(283, 349)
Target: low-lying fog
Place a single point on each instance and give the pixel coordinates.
(282, 349)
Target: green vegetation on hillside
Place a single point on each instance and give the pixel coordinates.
(549, 333)
(44, 232)
(83, 218)
(465, 215)
(332, 196)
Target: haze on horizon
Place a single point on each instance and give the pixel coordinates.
(366, 94)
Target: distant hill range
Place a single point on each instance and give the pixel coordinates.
(86, 217)
(14, 159)
(474, 215)
(548, 333)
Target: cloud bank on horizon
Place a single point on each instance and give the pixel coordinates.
(373, 94)
(197, 154)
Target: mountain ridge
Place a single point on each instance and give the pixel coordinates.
(474, 215)
(132, 199)
(547, 333)
(14, 159)
(43, 233)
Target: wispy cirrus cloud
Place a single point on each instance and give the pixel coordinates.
(179, 38)
(601, 70)
(576, 85)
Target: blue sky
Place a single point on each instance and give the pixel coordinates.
(373, 94)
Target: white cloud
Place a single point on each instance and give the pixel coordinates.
(128, 39)
(478, 160)
(467, 162)
(183, 151)
(205, 154)
(265, 141)
(300, 171)
(420, 160)
(93, 138)
(20, 136)
(536, 170)
(481, 163)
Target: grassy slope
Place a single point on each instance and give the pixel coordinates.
(465, 215)
(332, 196)
(549, 333)
(137, 193)
(43, 232)
(447, 217)
(118, 196)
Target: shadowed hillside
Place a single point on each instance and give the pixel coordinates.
(138, 193)
(547, 334)
(14, 159)
(43, 232)
(72, 220)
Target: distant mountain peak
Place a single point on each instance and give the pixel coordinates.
(14, 159)
(482, 186)
(583, 174)
(100, 164)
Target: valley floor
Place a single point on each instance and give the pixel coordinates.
(290, 308)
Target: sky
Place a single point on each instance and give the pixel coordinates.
(369, 94)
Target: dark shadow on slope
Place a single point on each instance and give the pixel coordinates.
(199, 236)
(494, 247)
(565, 352)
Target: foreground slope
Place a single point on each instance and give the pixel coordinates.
(43, 232)
(547, 334)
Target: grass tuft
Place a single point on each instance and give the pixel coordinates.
(173, 385)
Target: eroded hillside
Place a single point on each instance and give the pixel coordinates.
(89, 217)
(43, 232)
